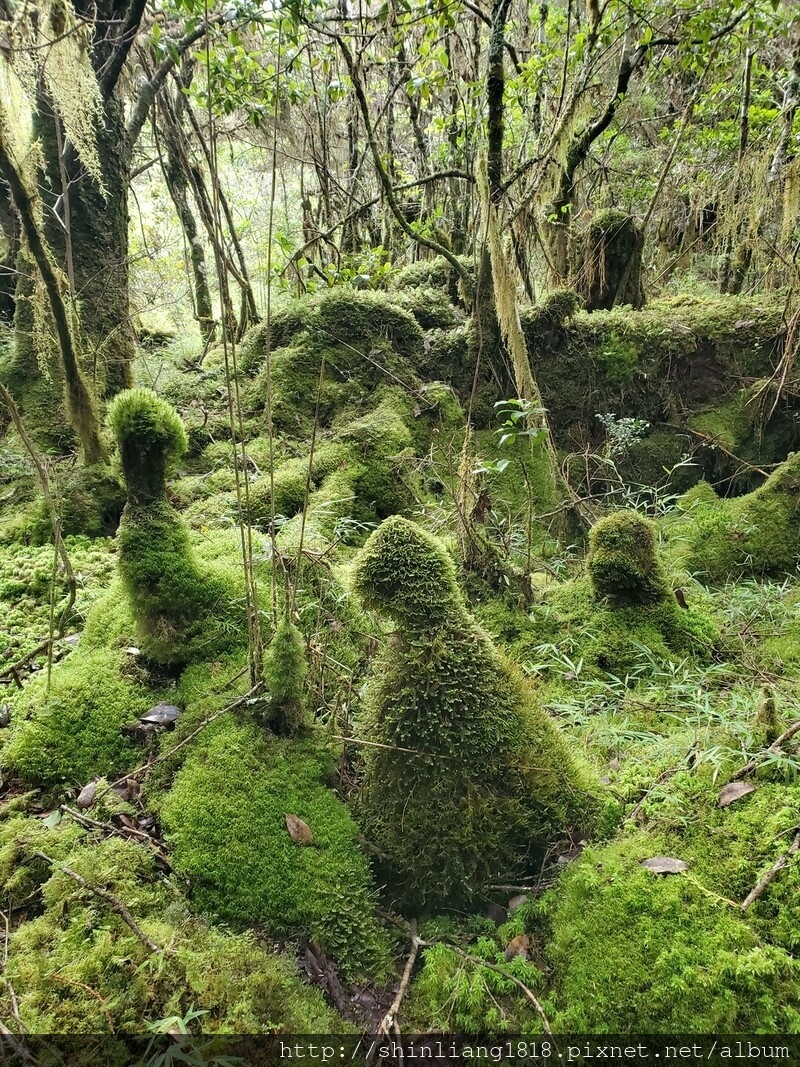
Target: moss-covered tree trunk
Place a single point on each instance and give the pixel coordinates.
(87, 230)
(608, 262)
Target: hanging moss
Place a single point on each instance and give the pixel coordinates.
(622, 561)
(625, 940)
(285, 671)
(608, 267)
(182, 609)
(225, 819)
(754, 534)
(473, 777)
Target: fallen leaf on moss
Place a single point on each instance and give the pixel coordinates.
(735, 791)
(665, 865)
(299, 831)
(518, 946)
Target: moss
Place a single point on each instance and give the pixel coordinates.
(151, 438)
(285, 671)
(77, 968)
(182, 609)
(473, 777)
(622, 562)
(431, 308)
(73, 732)
(635, 952)
(609, 267)
(609, 637)
(88, 500)
(225, 819)
(754, 534)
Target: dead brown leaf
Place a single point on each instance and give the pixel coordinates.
(299, 831)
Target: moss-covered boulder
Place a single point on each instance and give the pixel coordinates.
(72, 731)
(182, 609)
(638, 952)
(78, 968)
(622, 562)
(757, 534)
(470, 778)
(225, 818)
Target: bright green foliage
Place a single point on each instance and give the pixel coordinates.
(73, 732)
(225, 819)
(454, 995)
(285, 671)
(754, 534)
(636, 952)
(475, 775)
(622, 562)
(182, 610)
(78, 968)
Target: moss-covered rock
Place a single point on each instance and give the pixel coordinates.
(78, 968)
(225, 818)
(72, 732)
(622, 562)
(758, 533)
(636, 952)
(472, 778)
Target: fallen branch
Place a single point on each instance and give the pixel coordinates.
(20, 1050)
(772, 873)
(389, 1021)
(115, 902)
(776, 746)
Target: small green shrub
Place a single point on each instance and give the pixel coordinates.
(285, 671)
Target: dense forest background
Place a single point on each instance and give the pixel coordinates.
(399, 529)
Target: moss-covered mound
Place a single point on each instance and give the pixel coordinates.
(756, 534)
(72, 732)
(638, 952)
(225, 818)
(622, 562)
(472, 778)
(182, 610)
(78, 968)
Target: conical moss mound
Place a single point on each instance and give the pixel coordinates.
(475, 778)
(181, 610)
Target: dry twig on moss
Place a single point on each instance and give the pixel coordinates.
(115, 902)
(776, 746)
(772, 873)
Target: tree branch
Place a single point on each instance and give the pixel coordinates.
(110, 77)
(149, 91)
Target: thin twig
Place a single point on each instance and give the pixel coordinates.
(776, 746)
(498, 970)
(115, 902)
(389, 1021)
(772, 873)
(12, 996)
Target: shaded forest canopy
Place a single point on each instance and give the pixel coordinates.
(399, 519)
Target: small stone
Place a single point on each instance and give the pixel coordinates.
(86, 796)
(162, 715)
(517, 902)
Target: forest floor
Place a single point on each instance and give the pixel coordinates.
(178, 892)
